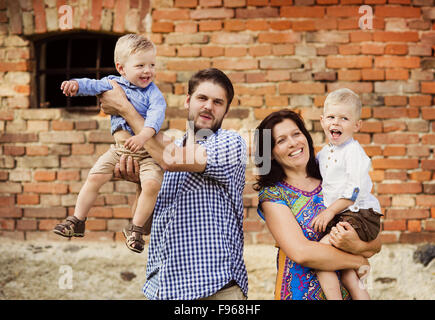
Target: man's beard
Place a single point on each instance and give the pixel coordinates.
(215, 126)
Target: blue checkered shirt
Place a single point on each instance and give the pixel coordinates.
(196, 244)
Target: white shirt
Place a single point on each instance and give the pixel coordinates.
(345, 172)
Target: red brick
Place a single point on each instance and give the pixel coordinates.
(96, 224)
(301, 88)
(122, 212)
(213, 13)
(168, 14)
(257, 25)
(369, 48)
(372, 74)
(275, 37)
(210, 25)
(25, 225)
(120, 12)
(421, 175)
(428, 87)
(7, 224)
(44, 175)
(302, 12)
(186, 3)
(13, 150)
(14, 66)
(409, 213)
(420, 101)
(39, 14)
(36, 150)
(407, 187)
(163, 27)
(52, 212)
(396, 36)
(397, 49)
(280, 25)
(398, 11)
(360, 36)
(27, 199)
(192, 65)
(414, 225)
(97, 8)
(349, 62)
(100, 212)
(394, 225)
(349, 75)
(420, 237)
(242, 64)
(396, 74)
(10, 212)
(395, 100)
(7, 201)
(428, 113)
(46, 187)
(397, 62)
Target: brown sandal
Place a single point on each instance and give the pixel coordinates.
(72, 227)
(134, 241)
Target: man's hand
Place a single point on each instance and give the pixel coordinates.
(69, 88)
(321, 221)
(111, 100)
(127, 169)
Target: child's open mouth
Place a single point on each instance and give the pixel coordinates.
(335, 133)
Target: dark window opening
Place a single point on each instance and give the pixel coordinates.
(68, 56)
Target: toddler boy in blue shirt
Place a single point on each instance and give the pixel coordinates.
(135, 61)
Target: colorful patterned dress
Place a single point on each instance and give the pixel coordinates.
(293, 281)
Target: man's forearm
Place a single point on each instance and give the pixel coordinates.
(133, 118)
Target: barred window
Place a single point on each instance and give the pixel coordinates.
(66, 56)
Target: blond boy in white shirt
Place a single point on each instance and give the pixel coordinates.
(346, 185)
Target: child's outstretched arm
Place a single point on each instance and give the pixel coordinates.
(69, 88)
(321, 221)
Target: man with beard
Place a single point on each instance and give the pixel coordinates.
(196, 245)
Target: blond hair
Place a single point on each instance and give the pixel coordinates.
(344, 96)
(130, 44)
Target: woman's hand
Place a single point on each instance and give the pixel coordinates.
(113, 101)
(343, 236)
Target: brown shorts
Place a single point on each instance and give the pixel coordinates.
(148, 167)
(366, 222)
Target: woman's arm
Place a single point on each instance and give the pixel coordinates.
(344, 237)
(160, 147)
(289, 236)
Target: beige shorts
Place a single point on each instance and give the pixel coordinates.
(148, 167)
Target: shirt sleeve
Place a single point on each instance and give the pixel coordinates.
(270, 194)
(156, 110)
(357, 166)
(92, 87)
(226, 155)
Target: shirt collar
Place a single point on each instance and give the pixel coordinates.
(127, 83)
(199, 141)
(334, 147)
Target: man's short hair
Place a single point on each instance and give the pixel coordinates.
(130, 44)
(344, 96)
(217, 77)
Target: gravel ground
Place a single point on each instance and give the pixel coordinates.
(101, 270)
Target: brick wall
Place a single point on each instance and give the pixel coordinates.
(278, 53)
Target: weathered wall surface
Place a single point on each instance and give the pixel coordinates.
(278, 53)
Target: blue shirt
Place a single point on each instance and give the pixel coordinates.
(149, 101)
(196, 244)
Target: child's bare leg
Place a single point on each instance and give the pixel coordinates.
(328, 280)
(146, 201)
(352, 283)
(88, 193)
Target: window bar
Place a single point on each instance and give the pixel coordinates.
(68, 71)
